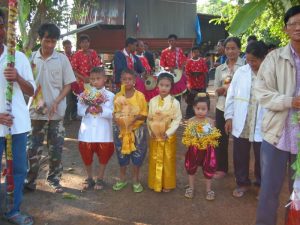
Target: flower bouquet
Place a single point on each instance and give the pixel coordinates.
(92, 97)
(38, 102)
(158, 124)
(201, 135)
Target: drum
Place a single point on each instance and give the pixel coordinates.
(150, 83)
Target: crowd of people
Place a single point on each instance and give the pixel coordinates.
(256, 97)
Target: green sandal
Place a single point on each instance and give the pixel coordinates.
(119, 185)
(137, 188)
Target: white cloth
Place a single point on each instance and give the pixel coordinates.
(21, 122)
(237, 101)
(97, 128)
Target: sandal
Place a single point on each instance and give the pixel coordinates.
(210, 196)
(56, 187)
(189, 193)
(239, 192)
(119, 185)
(19, 219)
(137, 188)
(88, 184)
(99, 185)
(166, 190)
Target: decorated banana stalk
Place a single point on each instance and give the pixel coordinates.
(11, 37)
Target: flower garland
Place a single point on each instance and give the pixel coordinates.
(201, 135)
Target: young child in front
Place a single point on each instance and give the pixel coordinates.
(95, 105)
(130, 136)
(200, 137)
(164, 117)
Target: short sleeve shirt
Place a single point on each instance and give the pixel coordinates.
(52, 75)
(198, 65)
(169, 57)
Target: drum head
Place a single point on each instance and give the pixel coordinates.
(150, 83)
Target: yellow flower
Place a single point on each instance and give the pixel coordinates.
(199, 129)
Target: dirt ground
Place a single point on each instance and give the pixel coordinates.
(127, 208)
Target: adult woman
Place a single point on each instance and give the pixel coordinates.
(223, 76)
(243, 117)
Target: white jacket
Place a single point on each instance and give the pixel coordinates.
(96, 128)
(237, 101)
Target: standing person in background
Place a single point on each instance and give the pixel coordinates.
(277, 90)
(223, 76)
(196, 72)
(71, 110)
(126, 59)
(82, 62)
(149, 55)
(221, 53)
(18, 121)
(172, 59)
(243, 117)
(53, 79)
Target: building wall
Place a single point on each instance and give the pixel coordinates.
(159, 18)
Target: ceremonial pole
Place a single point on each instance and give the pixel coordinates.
(11, 44)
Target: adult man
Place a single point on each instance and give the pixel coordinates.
(277, 90)
(221, 53)
(71, 110)
(53, 79)
(18, 121)
(127, 59)
(172, 58)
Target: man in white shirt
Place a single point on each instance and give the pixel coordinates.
(18, 120)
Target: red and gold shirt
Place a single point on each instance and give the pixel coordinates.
(196, 81)
(83, 63)
(168, 58)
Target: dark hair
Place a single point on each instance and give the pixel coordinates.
(167, 76)
(66, 42)
(258, 49)
(236, 40)
(201, 98)
(173, 36)
(291, 12)
(49, 29)
(252, 38)
(98, 69)
(194, 48)
(129, 71)
(2, 15)
(272, 46)
(84, 37)
(130, 41)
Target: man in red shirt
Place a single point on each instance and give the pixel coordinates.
(196, 73)
(83, 61)
(173, 58)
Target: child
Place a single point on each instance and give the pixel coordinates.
(130, 135)
(200, 137)
(163, 120)
(95, 105)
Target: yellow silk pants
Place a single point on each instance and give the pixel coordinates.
(162, 164)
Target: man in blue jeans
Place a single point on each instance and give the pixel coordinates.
(18, 121)
(278, 91)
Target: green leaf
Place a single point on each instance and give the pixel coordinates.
(246, 16)
(70, 196)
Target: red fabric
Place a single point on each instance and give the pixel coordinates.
(83, 63)
(293, 216)
(168, 58)
(104, 151)
(196, 82)
(70, 56)
(130, 64)
(145, 63)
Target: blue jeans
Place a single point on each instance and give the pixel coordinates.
(19, 142)
(273, 164)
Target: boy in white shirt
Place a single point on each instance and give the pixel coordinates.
(95, 133)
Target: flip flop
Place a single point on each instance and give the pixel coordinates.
(19, 219)
(239, 192)
(119, 185)
(137, 188)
